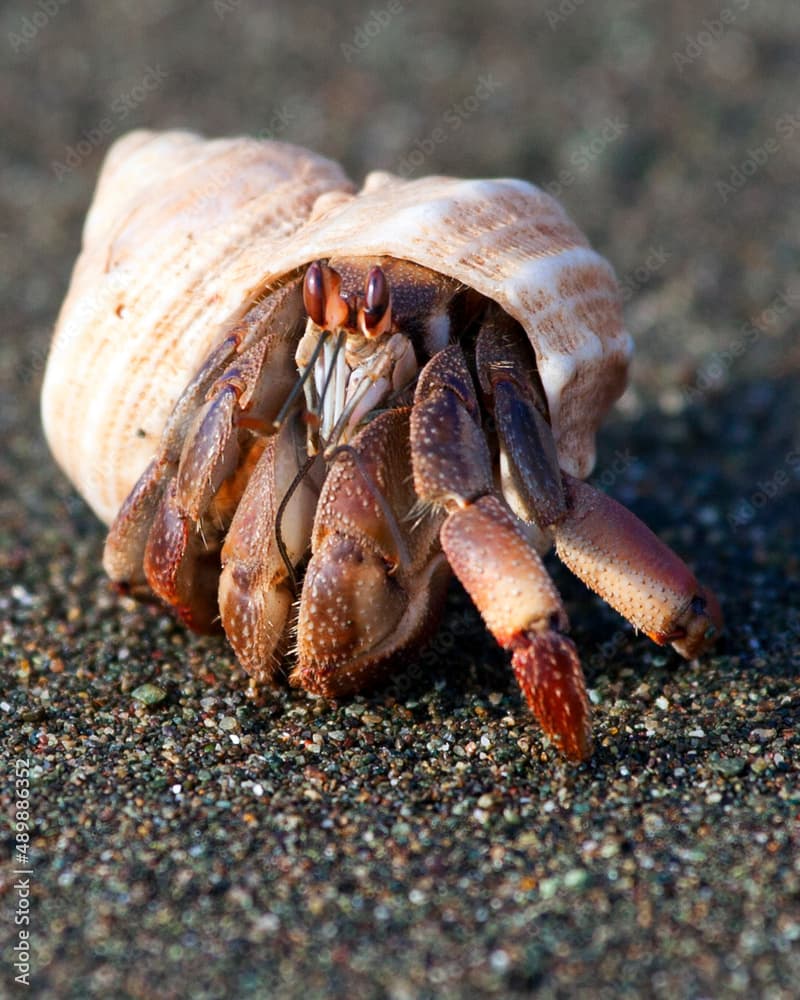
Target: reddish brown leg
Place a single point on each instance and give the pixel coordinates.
(267, 539)
(601, 542)
(168, 532)
(181, 558)
(181, 566)
(489, 552)
(123, 558)
(621, 559)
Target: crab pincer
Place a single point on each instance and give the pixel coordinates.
(376, 578)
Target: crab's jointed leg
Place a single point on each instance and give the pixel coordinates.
(619, 557)
(490, 553)
(271, 526)
(602, 542)
(528, 461)
(123, 558)
(169, 532)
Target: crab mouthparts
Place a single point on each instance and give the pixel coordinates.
(345, 377)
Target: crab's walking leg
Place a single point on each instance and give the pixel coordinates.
(621, 559)
(123, 558)
(490, 553)
(530, 476)
(169, 530)
(181, 562)
(271, 527)
(376, 578)
(602, 542)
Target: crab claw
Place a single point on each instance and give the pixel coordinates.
(374, 581)
(266, 541)
(621, 559)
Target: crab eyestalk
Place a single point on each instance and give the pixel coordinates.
(349, 360)
(375, 316)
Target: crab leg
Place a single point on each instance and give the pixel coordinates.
(529, 468)
(272, 525)
(123, 558)
(181, 566)
(168, 532)
(621, 559)
(601, 541)
(490, 553)
(375, 581)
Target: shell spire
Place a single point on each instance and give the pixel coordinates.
(156, 285)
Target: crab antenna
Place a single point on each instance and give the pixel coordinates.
(298, 386)
(340, 339)
(299, 477)
(345, 415)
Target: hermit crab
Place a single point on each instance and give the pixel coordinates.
(298, 405)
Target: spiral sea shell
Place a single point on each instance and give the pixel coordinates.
(185, 234)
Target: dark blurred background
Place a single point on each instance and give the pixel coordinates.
(440, 849)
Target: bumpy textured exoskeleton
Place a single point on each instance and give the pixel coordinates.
(411, 381)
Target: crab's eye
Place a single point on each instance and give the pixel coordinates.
(376, 298)
(314, 294)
